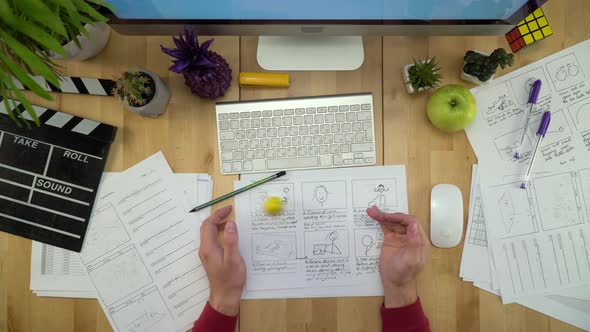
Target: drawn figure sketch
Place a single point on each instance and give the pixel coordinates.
(320, 194)
(368, 243)
(286, 196)
(330, 247)
(380, 200)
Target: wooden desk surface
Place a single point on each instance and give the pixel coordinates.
(186, 134)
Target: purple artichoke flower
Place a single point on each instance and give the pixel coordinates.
(205, 72)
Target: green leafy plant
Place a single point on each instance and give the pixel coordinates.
(134, 88)
(484, 67)
(424, 74)
(29, 31)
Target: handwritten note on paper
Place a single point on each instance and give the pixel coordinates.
(323, 243)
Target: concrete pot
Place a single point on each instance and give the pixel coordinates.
(156, 106)
(474, 79)
(97, 39)
(406, 75)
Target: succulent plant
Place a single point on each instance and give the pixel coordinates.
(484, 67)
(424, 74)
(134, 88)
(205, 72)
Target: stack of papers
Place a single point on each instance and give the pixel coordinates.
(140, 257)
(323, 244)
(532, 246)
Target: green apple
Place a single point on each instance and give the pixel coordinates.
(451, 108)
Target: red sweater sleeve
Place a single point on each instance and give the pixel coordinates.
(213, 321)
(410, 318)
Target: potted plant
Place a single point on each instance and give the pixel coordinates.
(29, 31)
(479, 68)
(142, 91)
(205, 72)
(88, 42)
(421, 75)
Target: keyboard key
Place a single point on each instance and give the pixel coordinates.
(314, 130)
(303, 130)
(334, 149)
(358, 161)
(349, 137)
(363, 115)
(243, 145)
(277, 112)
(287, 120)
(357, 126)
(327, 139)
(292, 151)
(366, 107)
(333, 109)
(350, 117)
(277, 122)
(226, 167)
(259, 154)
(325, 129)
(300, 111)
(261, 133)
(283, 131)
(359, 137)
(297, 120)
(296, 141)
(348, 161)
(329, 118)
(286, 141)
(267, 113)
(369, 134)
(222, 116)
(346, 127)
(281, 152)
(228, 146)
(322, 109)
(266, 122)
(310, 110)
(361, 147)
(308, 119)
(335, 128)
(324, 149)
(370, 160)
(317, 139)
(248, 167)
(223, 125)
(287, 163)
(338, 138)
(289, 111)
(344, 148)
(251, 133)
(234, 124)
(271, 132)
(343, 108)
(306, 140)
(293, 131)
(357, 155)
(340, 117)
(302, 151)
(227, 155)
(337, 160)
(312, 150)
(318, 119)
(237, 166)
(244, 115)
(255, 123)
(240, 134)
(326, 160)
(238, 155)
(249, 154)
(271, 153)
(367, 125)
(264, 143)
(254, 144)
(256, 114)
(234, 115)
(355, 108)
(227, 135)
(275, 142)
(259, 164)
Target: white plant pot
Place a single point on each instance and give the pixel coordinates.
(98, 36)
(406, 75)
(474, 79)
(156, 106)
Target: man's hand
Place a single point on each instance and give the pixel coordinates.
(403, 254)
(224, 265)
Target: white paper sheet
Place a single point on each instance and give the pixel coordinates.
(323, 244)
(56, 272)
(539, 235)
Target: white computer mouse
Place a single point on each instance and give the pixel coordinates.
(446, 215)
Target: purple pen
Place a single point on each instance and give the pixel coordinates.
(533, 96)
(540, 134)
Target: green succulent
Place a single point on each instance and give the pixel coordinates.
(484, 67)
(424, 74)
(29, 31)
(133, 87)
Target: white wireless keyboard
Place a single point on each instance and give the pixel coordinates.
(296, 133)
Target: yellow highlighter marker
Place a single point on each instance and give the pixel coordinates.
(274, 80)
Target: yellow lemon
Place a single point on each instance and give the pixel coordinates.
(273, 205)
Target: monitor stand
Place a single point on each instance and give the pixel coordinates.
(310, 52)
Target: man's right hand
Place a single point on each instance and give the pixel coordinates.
(403, 254)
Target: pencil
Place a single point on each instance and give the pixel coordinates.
(239, 191)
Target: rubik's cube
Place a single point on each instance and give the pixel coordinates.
(533, 28)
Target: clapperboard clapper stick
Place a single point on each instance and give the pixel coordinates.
(49, 175)
(76, 85)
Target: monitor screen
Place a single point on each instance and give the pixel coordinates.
(317, 9)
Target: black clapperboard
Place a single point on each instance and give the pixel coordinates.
(49, 175)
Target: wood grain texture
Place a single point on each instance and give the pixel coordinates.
(186, 134)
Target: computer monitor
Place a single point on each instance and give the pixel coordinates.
(318, 34)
